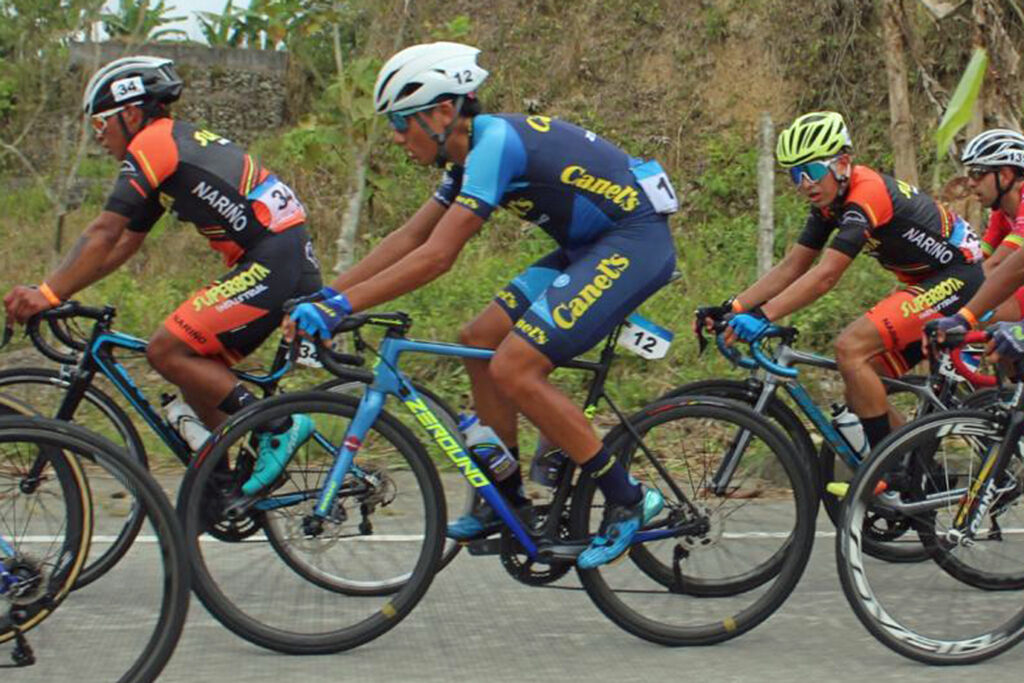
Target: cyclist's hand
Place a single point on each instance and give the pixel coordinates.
(1007, 341)
(748, 326)
(940, 326)
(323, 317)
(21, 303)
(288, 325)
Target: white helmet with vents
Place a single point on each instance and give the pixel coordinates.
(996, 147)
(419, 75)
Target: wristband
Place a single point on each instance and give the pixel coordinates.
(969, 317)
(737, 307)
(45, 290)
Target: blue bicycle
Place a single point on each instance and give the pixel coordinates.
(361, 503)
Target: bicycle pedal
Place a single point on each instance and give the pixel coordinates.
(484, 546)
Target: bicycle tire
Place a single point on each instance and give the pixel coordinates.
(81, 448)
(925, 611)
(767, 584)
(450, 419)
(387, 439)
(33, 380)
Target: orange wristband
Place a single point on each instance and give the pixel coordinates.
(737, 307)
(49, 294)
(972, 321)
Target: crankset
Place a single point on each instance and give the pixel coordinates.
(515, 560)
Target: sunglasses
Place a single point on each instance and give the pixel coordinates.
(399, 120)
(99, 121)
(814, 171)
(978, 172)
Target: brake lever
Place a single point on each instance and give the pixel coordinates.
(8, 333)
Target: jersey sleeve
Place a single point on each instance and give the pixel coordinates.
(151, 158)
(853, 232)
(450, 185)
(815, 233)
(496, 158)
(995, 233)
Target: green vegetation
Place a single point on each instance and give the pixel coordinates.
(685, 83)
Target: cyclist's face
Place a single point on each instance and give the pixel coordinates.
(982, 182)
(112, 135)
(822, 193)
(418, 144)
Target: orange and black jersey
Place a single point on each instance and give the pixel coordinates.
(206, 180)
(907, 231)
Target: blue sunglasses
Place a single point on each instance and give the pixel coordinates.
(399, 120)
(814, 171)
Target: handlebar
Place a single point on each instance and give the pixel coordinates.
(53, 319)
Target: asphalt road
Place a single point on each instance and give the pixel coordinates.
(476, 623)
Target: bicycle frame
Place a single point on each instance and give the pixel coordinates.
(389, 380)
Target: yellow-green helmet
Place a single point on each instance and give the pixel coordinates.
(817, 135)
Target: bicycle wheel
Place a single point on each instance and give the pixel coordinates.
(456, 487)
(134, 619)
(302, 588)
(934, 611)
(746, 546)
(44, 389)
(885, 537)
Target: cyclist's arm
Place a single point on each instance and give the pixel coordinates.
(393, 248)
(423, 264)
(795, 263)
(103, 246)
(814, 284)
(999, 284)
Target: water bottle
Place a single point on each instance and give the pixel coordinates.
(548, 461)
(185, 421)
(848, 424)
(487, 449)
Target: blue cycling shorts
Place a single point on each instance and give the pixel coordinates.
(572, 298)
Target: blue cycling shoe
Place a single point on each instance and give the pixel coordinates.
(480, 523)
(620, 525)
(275, 450)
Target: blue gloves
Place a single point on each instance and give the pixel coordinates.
(749, 326)
(321, 318)
(1008, 339)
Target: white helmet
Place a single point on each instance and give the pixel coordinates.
(996, 147)
(131, 80)
(418, 75)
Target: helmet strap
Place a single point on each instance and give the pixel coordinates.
(441, 158)
(1000, 190)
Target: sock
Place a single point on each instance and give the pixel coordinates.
(875, 428)
(613, 480)
(237, 398)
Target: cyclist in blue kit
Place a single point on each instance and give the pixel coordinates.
(606, 211)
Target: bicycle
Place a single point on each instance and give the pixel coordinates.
(957, 478)
(835, 460)
(362, 489)
(46, 526)
(70, 393)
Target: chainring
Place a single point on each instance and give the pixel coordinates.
(522, 568)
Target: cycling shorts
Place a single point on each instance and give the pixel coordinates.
(229, 318)
(900, 317)
(572, 298)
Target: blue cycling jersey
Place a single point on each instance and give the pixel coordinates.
(573, 184)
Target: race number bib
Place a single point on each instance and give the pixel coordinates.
(307, 354)
(280, 205)
(644, 338)
(656, 185)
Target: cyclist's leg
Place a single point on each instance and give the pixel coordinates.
(604, 282)
(488, 330)
(893, 328)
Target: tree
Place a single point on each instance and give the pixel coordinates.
(137, 22)
(901, 121)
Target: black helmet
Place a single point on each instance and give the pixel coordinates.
(132, 80)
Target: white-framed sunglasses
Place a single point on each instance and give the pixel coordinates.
(99, 121)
